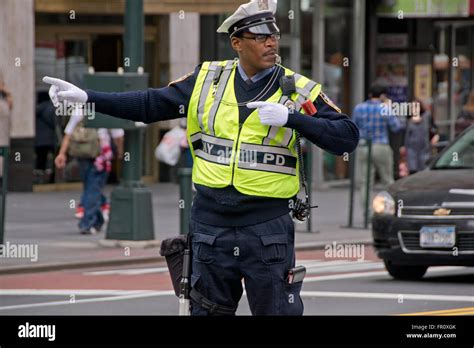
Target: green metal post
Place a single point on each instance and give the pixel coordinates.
(131, 215)
(185, 198)
(133, 58)
(352, 163)
(4, 152)
(367, 187)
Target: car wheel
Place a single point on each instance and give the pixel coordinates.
(405, 272)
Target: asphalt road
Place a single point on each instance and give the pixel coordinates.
(331, 287)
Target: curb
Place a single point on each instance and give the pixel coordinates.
(321, 245)
(57, 266)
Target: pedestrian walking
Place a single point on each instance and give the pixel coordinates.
(421, 133)
(374, 125)
(93, 151)
(46, 141)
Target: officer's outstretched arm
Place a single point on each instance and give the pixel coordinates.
(151, 105)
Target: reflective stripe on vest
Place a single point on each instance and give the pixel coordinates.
(219, 93)
(304, 92)
(267, 158)
(212, 149)
(206, 87)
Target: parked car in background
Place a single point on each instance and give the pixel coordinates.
(427, 219)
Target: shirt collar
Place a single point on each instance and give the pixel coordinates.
(257, 76)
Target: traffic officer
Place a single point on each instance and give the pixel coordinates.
(242, 119)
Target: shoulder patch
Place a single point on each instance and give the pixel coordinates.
(182, 78)
(328, 101)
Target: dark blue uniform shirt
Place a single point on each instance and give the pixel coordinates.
(330, 130)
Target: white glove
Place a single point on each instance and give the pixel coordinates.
(64, 92)
(140, 125)
(271, 114)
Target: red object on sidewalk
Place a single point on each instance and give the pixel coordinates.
(309, 108)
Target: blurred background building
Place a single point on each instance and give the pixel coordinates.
(416, 48)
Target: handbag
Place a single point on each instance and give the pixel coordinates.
(169, 149)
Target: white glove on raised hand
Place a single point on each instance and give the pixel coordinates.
(271, 114)
(64, 92)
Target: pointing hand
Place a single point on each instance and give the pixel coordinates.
(271, 114)
(64, 92)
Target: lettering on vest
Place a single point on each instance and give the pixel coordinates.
(280, 160)
(208, 148)
(269, 158)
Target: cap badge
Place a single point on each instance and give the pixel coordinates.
(263, 5)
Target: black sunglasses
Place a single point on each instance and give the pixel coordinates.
(263, 37)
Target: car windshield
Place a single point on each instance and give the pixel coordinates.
(460, 155)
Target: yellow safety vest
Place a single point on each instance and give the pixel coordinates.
(256, 159)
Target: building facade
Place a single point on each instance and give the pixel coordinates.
(419, 49)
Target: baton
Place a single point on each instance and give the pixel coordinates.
(185, 288)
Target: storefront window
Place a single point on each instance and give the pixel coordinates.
(452, 74)
(336, 84)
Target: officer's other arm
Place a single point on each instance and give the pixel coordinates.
(146, 106)
(332, 131)
(151, 105)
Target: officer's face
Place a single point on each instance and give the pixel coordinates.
(257, 55)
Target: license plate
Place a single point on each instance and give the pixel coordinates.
(437, 236)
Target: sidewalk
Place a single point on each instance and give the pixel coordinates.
(46, 220)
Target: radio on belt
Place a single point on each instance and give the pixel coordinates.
(296, 274)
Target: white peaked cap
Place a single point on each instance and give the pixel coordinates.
(256, 16)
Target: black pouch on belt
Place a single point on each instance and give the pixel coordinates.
(173, 250)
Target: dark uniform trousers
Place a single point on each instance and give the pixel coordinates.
(259, 254)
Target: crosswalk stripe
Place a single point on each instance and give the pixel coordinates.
(135, 271)
(345, 268)
(139, 295)
(387, 296)
(431, 271)
(313, 267)
(66, 292)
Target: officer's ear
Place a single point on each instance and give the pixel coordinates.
(236, 43)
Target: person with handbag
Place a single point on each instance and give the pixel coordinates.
(93, 150)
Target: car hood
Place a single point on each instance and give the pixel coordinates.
(433, 187)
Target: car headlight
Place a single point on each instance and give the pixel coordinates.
(383, 203)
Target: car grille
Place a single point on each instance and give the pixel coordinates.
(410, 242)
(455, 210)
